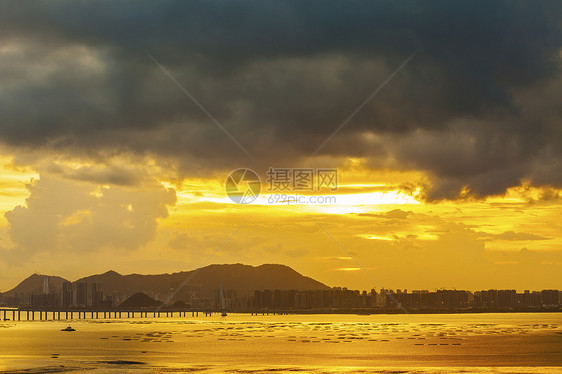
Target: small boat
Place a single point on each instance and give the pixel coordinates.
(68, 329)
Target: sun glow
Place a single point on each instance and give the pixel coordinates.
(12, 182)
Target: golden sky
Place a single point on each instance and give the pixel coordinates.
(73, 228)
(119, 126)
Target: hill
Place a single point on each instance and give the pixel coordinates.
(34, 284)
(139, 300)
(243, 279)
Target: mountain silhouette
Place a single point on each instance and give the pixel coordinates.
(243, 279)
(34, 284)
(139, 300)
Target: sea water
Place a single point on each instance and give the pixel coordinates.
(329, 343)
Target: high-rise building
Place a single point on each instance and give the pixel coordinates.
(82, 294)
(97, 296)
(67, 295)
(257, 299)
(44, 300)
(45, 285)
(550, 297)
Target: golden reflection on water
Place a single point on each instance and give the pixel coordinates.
(297, 343)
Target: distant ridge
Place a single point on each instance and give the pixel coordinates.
(244, 279)
(34, 284)
(139, 300)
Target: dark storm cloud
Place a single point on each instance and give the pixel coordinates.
(281, 76)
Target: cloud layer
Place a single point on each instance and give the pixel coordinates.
(62, 215)
(476, 109)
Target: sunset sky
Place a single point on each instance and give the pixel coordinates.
(449, 176)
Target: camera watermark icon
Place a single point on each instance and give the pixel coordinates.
(243, 186)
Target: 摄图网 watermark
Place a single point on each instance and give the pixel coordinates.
(243, 186)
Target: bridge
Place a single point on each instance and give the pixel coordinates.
(41, 314)
(31, 314)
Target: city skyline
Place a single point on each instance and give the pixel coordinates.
(75, 296)
(80, 286)
(413, 287)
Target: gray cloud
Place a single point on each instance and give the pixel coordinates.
(392, 214)
(512, 236)
(181, 241)
(477, 107)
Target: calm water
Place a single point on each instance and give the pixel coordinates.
(482, 343)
